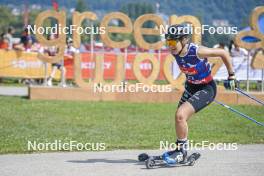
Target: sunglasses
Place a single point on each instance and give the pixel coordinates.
(171, 43)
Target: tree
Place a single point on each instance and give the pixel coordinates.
(134, 10)
(81, 6)
(6, 18)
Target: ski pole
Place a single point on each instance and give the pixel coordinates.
(250, 96)
(240, 113)
(235, 111)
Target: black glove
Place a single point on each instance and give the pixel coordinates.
(231, 82)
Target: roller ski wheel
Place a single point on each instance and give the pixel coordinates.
(154, 161)
(150, 163)
(192, 158)
(191, 161)
(143, 157)
(158, 161)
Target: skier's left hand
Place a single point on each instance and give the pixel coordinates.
(231, 82)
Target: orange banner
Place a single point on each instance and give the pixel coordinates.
(88, 66)
(26, 65)
(21, 65)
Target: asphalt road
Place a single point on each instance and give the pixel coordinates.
(248, 160)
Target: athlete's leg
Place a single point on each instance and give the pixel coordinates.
(193, 100)
(53, 72)
(63, 76)
(52, 75)
(184, 112)
(195, 103)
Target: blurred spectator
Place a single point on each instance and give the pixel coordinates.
(70, 50)
(3, 41)
(236, 51)
(9, 37)
(52, 51)
(6, 39)
(231, 45)
(27, 40)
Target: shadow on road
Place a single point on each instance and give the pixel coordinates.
(104, 160)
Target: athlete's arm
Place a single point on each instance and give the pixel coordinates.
(204, 52)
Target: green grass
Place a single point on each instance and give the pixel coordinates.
(120, 125)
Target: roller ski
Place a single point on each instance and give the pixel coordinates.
(169, 159)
